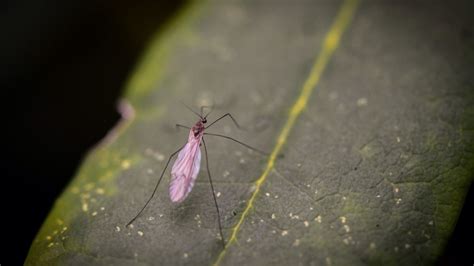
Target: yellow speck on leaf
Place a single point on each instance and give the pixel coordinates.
(125, 164)
(318, 219)
(296, 243)
(347, 228)
(75, 190)
(89, 186)
(362, 102)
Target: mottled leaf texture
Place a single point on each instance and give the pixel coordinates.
(366, 108)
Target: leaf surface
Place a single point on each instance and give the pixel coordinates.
(367, 110)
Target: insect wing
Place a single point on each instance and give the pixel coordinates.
(185, 170)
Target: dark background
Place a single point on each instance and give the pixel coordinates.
(63, 67)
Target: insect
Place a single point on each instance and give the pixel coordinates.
(186, 167)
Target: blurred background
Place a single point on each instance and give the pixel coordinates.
(63, 67)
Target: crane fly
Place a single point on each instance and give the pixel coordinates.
(186, 167)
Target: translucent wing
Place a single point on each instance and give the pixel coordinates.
(185, 170)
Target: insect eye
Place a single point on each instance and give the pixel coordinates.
(204, 121)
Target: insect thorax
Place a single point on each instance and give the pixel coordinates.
(198, 128)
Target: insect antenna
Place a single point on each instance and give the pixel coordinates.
(190, 109)
(214, 195)
(210, 107)
(156, 187)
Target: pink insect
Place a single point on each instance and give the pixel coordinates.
(186, 167)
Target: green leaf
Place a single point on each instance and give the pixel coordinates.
(366, 109)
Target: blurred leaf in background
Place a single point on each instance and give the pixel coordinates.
(62, 68)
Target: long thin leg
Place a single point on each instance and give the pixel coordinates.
(240, 142)
(229, 115)
(183, 126)
(214, 194)
(156, 187)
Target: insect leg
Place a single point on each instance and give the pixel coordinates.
(214, 194)
(190, 109)
(240, 142)
(229, 115)
(156, 187)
